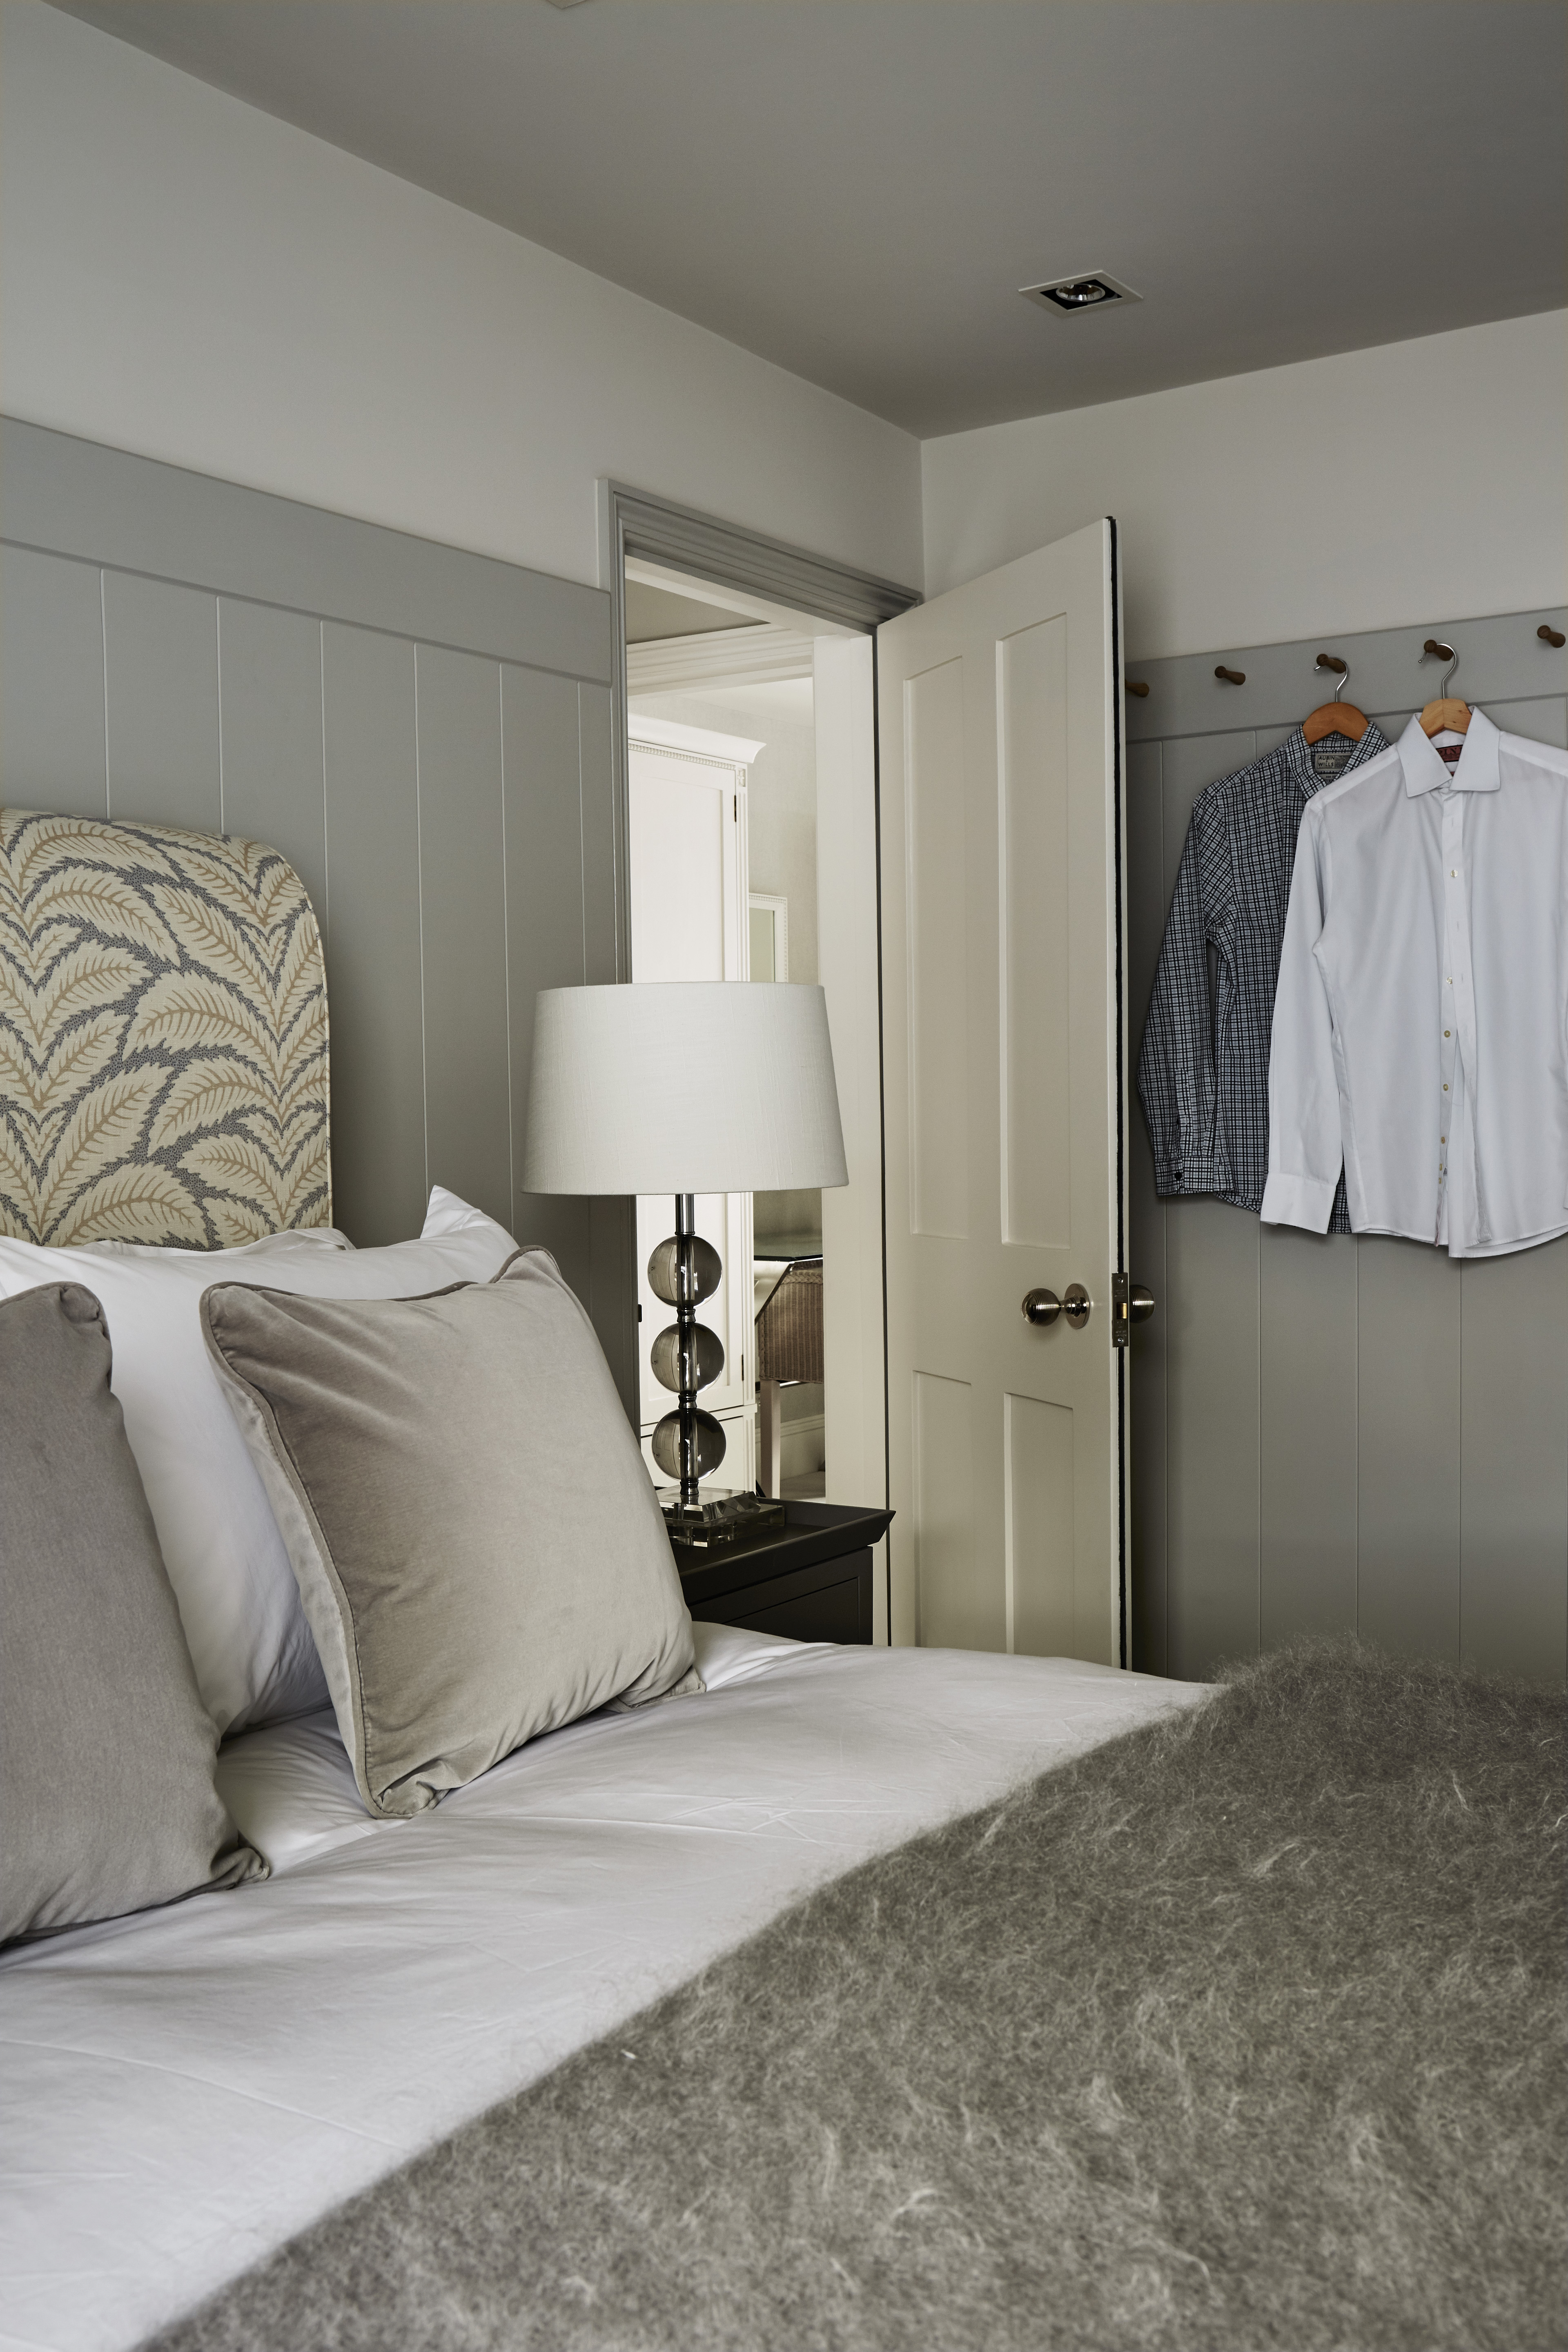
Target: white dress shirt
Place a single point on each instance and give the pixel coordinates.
(1421, 1020)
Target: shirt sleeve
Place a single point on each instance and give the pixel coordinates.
(1176, 1060)
(1306, 1146)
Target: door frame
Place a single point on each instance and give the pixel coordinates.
(637, 523)
(1120, 1075)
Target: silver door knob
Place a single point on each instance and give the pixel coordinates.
(1041, 1307)
(1075, 1305)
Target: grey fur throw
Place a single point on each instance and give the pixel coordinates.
(1242, 2030)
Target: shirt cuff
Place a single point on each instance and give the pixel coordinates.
(1299, 1201)
(1194, 1176)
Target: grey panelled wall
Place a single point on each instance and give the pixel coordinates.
(1346, 1432)
(423, 733)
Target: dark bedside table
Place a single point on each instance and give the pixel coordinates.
(810, 1580)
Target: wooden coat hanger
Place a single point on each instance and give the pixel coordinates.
(1335, 718)
(1445, 712)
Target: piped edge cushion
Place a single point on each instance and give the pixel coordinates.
(105, 1750)
(478, 1547)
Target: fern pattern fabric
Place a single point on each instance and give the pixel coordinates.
(163, 1064)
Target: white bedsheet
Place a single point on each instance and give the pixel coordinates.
(184, 2090)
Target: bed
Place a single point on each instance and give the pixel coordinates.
(888, 1997)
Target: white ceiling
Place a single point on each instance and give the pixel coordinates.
(857, 188)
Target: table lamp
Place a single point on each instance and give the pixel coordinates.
(685, 1086)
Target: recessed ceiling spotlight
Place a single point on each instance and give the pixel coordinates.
(1094, 290)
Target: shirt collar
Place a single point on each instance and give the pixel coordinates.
(1299, 758)
(1478, 769)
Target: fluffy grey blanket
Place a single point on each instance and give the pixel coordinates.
(1244, 2030)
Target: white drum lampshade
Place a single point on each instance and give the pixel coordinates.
(685, 1086)
(713, 1086)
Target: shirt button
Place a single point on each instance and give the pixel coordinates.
(1447, 1033)
(1445, 1086)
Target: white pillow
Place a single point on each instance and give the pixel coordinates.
(252, 1650)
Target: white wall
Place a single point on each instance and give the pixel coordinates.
(1415, 482)
(185, 277)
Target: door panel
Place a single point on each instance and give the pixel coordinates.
(934, 734)
(1005, 1053)
(1042, 1595)
(957, 1611)
(1037, 921)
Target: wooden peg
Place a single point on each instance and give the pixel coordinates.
(1138, 686)
(1231, 677)
(1549, 635)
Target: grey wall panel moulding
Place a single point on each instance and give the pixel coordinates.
(135, 514)
(451, 812)
(664, 533)
(1387, 674)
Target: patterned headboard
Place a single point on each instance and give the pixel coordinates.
(162, 1037)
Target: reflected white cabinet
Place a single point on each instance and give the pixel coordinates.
(686, 793)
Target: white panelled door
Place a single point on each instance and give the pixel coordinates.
(1005, 1091)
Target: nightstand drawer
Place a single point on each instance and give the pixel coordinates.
(829, 1602)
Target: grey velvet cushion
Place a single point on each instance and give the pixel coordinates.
(106, 1799)
(478, 1550)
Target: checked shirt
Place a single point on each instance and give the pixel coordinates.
(1202, 1070)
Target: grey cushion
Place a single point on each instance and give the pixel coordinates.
(477, 1546)
(107, 1801)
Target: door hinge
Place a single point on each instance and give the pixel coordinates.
(1121, 1309)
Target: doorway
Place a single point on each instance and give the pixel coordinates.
(747, 731)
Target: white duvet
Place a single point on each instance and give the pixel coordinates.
(184, 2090)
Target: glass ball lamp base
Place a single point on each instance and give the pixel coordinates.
(689, 1445)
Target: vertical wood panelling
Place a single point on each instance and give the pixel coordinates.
(543, 814)
(1408, 1415)
(1212, 1344)
(1213, 1421)
(51, 683)
(1513, 1548)
(605, 958)
(160, 665)
(1146, 913)
(462, 902)
(1308, 1433)
(607, 924)
(373, 937)
(1545, 721)
(273, 786)
(252, 716)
